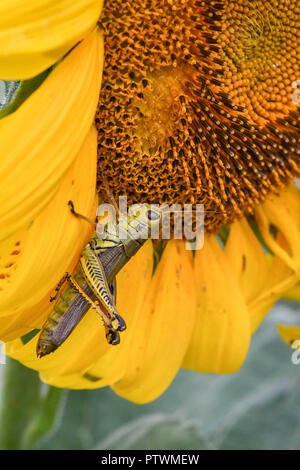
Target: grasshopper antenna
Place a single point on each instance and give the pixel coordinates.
(80, 216)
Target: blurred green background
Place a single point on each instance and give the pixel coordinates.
(256, 408)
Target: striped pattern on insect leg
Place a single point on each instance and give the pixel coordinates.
(96, 279)
(93, 304)
(111, 335)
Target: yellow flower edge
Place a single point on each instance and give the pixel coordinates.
(282, 213)
(33, 260)
(48, 131)
(290, 334)
(35, 34)
(293, 293)
(221, 335)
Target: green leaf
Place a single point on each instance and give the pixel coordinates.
(28, 336)
(223, 235)
(14, 93)
(7, 91)
(156, 431)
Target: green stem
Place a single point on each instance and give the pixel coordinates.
(20, 398)
(27, 412)
(45, 421)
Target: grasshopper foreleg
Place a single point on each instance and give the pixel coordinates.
(58, 287)
(80, 216)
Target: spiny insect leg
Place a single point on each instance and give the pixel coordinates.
(58, 287)
(121, 322)
(92, 304)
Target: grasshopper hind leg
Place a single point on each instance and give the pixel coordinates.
(121, 322)
(111, 334)
(113, 291)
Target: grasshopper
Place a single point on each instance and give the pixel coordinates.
(93, 282)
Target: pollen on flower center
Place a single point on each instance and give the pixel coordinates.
(196, 102)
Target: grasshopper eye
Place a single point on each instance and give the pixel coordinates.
(152, 215)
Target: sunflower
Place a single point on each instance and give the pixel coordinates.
(195, 106)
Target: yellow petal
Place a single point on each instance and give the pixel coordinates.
(165, 324)
(262, 277)
(290, 334)
(46, 250)
(283, 213)
(15, 326)
(34, 34)
(83, 347)
(41, 139)
(248, 261)
(221, 333)
(293, 293)
(280, 278)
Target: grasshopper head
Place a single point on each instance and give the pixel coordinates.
(144, 220)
